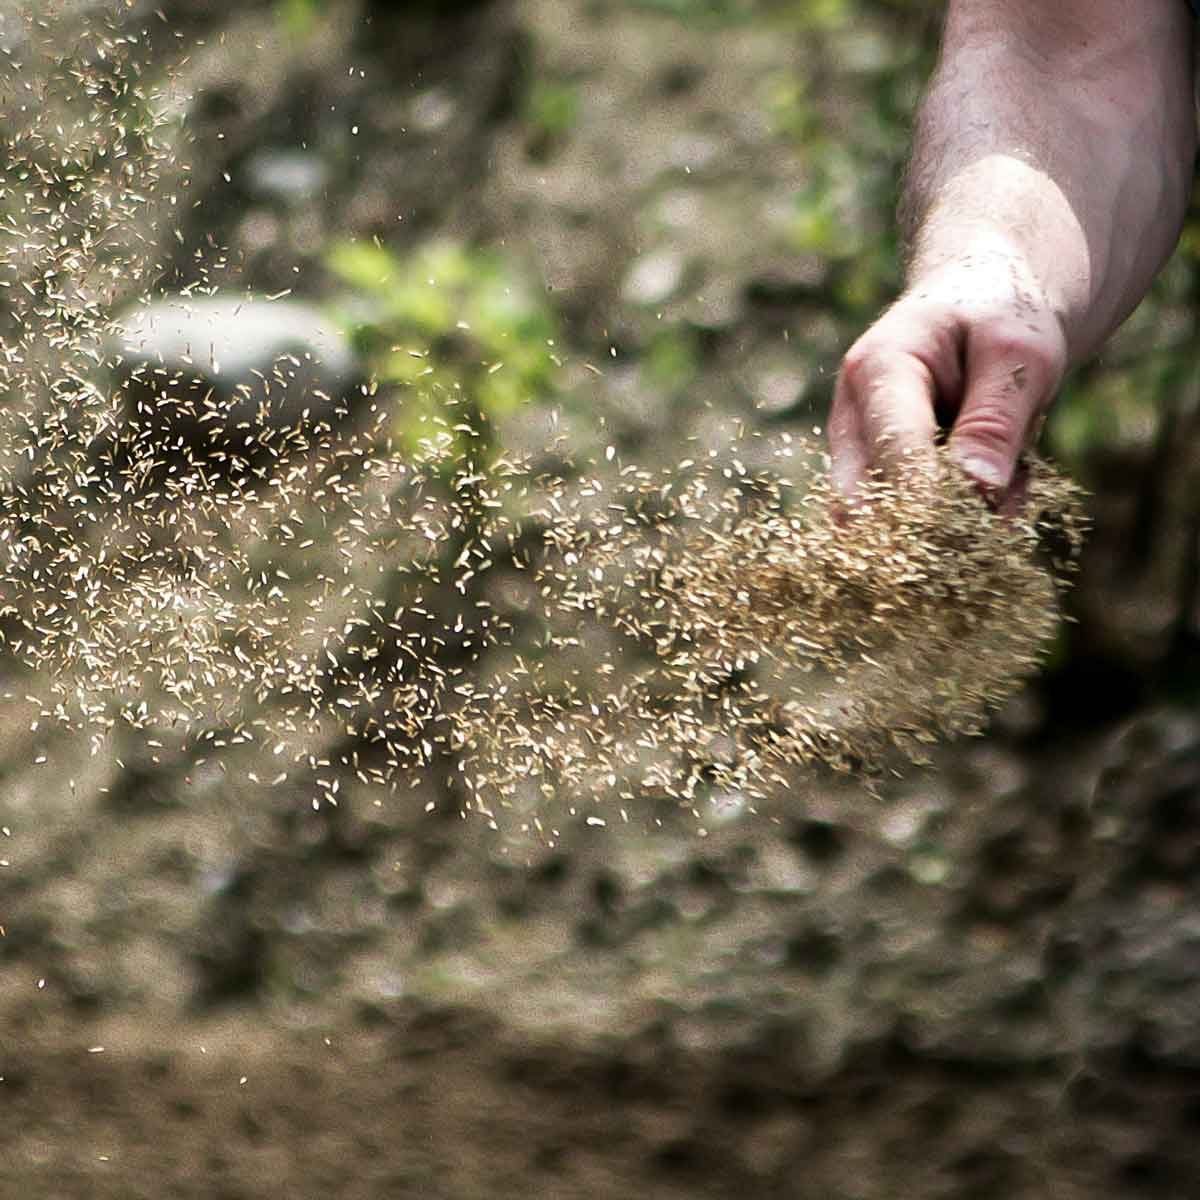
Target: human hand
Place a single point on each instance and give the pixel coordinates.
(973, 347)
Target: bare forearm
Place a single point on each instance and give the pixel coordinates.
(1059, 137)
(1049, 178)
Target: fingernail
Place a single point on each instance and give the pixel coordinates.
(845, 479)
(985, 471)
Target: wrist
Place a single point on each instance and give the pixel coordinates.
(982, 264)
(988, 272)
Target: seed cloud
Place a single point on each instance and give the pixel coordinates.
(351, 607)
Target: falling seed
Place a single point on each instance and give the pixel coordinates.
(685, 634)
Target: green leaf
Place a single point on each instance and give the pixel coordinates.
(298, 16)
(364, 265)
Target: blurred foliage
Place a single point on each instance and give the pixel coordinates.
(854, 158)
(299, 16)
(815, 14)
(1122, 402)
(450, 323)
(551, 110)
(702, 9)
(671, 361)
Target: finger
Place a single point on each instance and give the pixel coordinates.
(848, 458)
(1013, 500)
(892, 394)
(1012, 376)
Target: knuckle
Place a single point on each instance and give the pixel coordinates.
(990, 425)
(867, 369)
(1036, 351)
(859, 366)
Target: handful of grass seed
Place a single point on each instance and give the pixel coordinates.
(777, 638)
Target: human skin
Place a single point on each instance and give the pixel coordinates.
(1050, 172)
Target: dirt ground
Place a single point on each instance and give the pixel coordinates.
(447, 1104)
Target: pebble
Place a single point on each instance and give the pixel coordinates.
(654, 278)
(244, 364)
(292, 176)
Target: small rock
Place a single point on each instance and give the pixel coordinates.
(291, 176)
(777, 392)
(780, 871)
(433, 110)
(213, 372)
(653, 278)
(902, 826)
(693, 151)
(716, 306)
(727, 807)
(930, 867)
(999, 774)
(681, 208)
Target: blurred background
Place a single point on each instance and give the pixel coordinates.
(666, 219)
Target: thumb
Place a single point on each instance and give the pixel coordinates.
(1011, 378)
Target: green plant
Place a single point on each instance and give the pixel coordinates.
(461, 328)
(671, 361)
(850, 120)
(691, 10)
(299, 16)
(551, 111)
